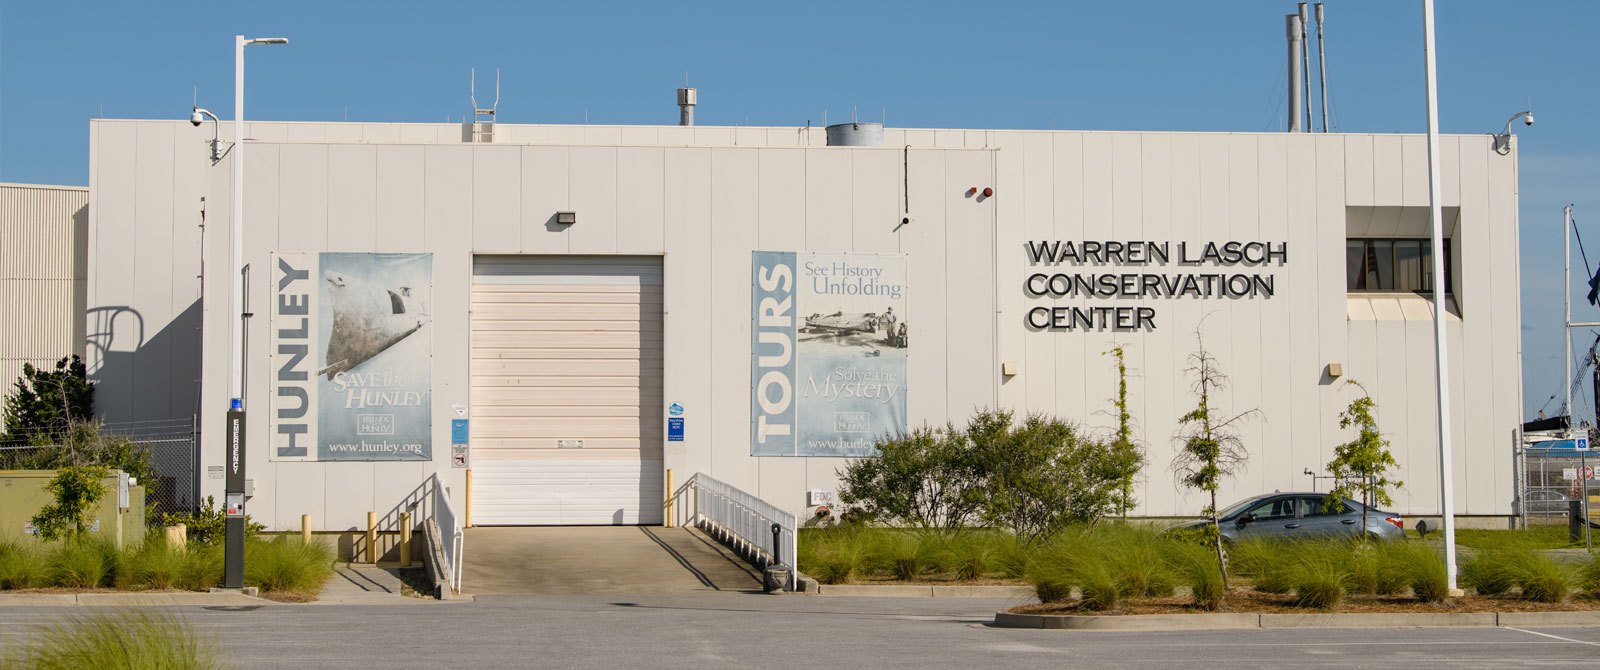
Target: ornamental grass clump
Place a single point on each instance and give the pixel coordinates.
(202, 568)
(1135, 558)
(968, 555)
(1491, 572)
(1543, 579)
(1319, 580)
(1196, 566)
(287, 564)
(1424, 570)
(1267, 562)
(904, 555)
(155, 565)
(1589, 575)
(22, 566)
(837, 554)
(81, 564)
(126, 638)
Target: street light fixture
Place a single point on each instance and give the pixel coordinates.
(233, 486)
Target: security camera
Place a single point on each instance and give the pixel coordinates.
(1528, 120)
(195, 118)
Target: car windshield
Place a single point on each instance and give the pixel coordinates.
(1238, 507)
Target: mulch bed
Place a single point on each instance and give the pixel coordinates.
(1255, 602)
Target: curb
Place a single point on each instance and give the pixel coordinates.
(928, 591)
(1229, 621)
(128, 599)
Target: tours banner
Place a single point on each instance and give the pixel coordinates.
(828, 352)
(350, 353)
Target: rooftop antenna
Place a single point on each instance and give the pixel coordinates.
(483, 119)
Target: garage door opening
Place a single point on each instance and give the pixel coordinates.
(566, 390)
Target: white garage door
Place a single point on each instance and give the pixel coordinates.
(566, 390)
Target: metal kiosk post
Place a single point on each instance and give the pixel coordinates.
(233, 545)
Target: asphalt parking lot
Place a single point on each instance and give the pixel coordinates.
(703, 630)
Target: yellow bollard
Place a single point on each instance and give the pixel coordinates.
(468, 520)
(669, 498)
(405, 539)
(372, 537)
(177, 536)
(305, 529)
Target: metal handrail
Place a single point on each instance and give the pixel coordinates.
(746, 521)
(445, 516)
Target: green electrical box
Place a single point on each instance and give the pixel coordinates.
(118, 517)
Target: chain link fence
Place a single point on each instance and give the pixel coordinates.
(173, 484)
(173, 449)
(1551, 478)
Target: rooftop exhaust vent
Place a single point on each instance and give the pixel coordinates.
(855, 134)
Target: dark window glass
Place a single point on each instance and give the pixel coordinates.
(1393, 265)
(1313, 507)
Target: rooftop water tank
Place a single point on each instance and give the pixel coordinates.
(855, 135)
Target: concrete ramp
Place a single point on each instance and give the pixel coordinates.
(573, 560)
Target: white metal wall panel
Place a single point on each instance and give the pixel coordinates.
(565, 351)
(43, 243)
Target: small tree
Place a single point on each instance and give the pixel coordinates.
(47, 403)
(1363, 464)
(1127, 455)
(76, 490)
(923, 478)
(1211, 448)
(1043, 474)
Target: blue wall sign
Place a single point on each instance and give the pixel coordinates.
(458, 431)
(675, 430)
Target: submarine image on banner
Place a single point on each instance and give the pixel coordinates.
(367, 319)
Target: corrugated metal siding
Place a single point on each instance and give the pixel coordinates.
(42, 274)
(566, 349)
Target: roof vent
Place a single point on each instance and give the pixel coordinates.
(855, 134)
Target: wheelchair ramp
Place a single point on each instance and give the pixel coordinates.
(575, 560)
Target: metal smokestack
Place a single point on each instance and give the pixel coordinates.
(686, 102)
(1305, 69)
(1322, 64)
(1292, 30)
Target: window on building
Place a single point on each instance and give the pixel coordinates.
(1393, 265)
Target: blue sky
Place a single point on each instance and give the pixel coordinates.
(1211, 66)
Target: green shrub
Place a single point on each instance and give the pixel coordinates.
(22, 566)
(126, 638)
(287, 564)
(903, 555)
(1362, 567)
(1543, 579)
(208, 525)
(1490, 572)
(81, 564)
(1319, 580)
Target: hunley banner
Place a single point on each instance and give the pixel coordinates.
(350, 351)
(828, 352)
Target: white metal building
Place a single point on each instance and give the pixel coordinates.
(565, 344)
(42, 276)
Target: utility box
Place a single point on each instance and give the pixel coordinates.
(119, 516)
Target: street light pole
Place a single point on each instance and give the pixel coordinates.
(233, 488)
(1441, 355)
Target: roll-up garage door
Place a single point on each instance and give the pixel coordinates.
(566, 390)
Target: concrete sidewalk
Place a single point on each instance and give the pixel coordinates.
(572, 560)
